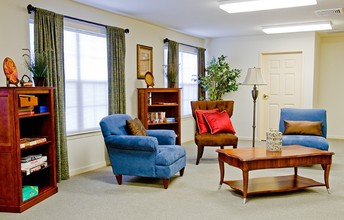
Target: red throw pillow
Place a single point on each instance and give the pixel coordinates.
(219, 122)
(202, 124)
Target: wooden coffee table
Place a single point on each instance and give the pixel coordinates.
(256, 158)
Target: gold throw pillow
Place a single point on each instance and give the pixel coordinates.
(136, 127)
(303, 127)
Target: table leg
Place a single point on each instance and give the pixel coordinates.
(222, 172)
(295, 171)
(326, 168)
(245, 184)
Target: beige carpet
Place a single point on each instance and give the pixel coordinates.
(96, 195)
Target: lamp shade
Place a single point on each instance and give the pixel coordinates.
(254, 77)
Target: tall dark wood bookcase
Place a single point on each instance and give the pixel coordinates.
(160, 100)
(14, 126)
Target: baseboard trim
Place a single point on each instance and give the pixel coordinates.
(187, 141)
(87, 168)
(335, 137)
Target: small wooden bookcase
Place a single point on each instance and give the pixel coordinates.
(154, 101)
(16, 125)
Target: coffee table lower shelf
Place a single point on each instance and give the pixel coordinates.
(274, 184)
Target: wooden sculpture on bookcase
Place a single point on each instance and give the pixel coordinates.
(11, 72)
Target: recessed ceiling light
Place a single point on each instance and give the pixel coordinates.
(235, 6)
(289, 28)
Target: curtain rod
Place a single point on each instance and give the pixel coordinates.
(166, 40)
(30, 8)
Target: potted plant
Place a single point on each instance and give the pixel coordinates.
(37, 66)
(219, 78)
(171, 74)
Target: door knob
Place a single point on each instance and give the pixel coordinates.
(265, 96)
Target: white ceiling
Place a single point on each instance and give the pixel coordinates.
(203, 18)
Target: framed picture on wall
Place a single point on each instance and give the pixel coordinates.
(144, 60)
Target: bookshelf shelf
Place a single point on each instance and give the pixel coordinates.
(154, 100)
(16, 126)
(34, 115)
(35, 146)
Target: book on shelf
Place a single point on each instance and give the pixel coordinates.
(156, 117)
(170, 120)
(33, 163)
(29, 192)
(26, 110)
(26, 113)
(30, 158)
(25, 142)
(28, 171)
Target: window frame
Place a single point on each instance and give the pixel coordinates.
(80, 83)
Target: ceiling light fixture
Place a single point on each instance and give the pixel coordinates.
(236, 6)
(301, 27)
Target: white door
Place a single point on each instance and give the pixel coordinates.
(283, 75)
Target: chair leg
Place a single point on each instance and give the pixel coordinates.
(181, 172)
(119, 179)
(199, 153)
(235, 146)
(165, 183)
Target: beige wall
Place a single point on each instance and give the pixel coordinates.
(330, 83)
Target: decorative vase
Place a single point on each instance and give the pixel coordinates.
(39, 81)
(274, 140)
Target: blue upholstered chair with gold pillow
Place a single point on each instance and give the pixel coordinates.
(306, 127)
(135, 151)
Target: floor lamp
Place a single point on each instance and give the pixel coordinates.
(254, 77)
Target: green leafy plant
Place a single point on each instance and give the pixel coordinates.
(37, 66)
(171, 74)
(219, 79)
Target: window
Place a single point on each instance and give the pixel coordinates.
(187, 75)
(86, 74)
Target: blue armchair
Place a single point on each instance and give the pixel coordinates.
(313, 115)
(154, 155)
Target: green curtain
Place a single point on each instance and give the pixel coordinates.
(48, 29)
(173, 64)
(116, 68)
(201, 71)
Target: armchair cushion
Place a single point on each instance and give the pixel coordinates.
(136, 127)
(303, 127)
(169, 154)
(219, 122)
(203, 126)
(306, 140)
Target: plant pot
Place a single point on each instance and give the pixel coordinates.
(39, 81)
(172, 84)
